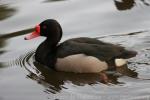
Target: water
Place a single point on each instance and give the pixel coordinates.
(124, 22)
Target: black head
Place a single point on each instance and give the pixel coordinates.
(49, 28)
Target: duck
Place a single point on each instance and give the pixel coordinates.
(78, 55)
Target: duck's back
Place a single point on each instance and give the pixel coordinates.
(91, 47)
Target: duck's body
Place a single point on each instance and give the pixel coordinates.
(80, 55)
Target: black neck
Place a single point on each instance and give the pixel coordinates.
(51, 43)
(46, 52)
(53, 40)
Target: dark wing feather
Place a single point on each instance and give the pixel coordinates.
(89, 46)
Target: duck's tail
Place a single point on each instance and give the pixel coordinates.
(121, 60)
(126, 54)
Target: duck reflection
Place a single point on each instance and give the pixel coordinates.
(53, 81)
(127, 4)
(6, 12)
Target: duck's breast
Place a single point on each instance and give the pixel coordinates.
(80, 63)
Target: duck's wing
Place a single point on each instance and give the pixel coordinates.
(91, 47)
(89, 41)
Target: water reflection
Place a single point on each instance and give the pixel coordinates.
(2, 44)
(14, 34)
(3, 41)
(4, 37)
(127, 4)
(53, 81)
(127, 71)
(124, 4)
(146, 3)
(6, 12)
(2, 65)
(52, 0)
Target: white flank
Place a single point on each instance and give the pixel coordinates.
(80, 63)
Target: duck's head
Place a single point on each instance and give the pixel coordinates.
(49, 28)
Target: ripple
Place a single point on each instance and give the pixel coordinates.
(141, 63)
(26, 61)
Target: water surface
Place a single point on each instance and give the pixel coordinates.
(124, 22)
